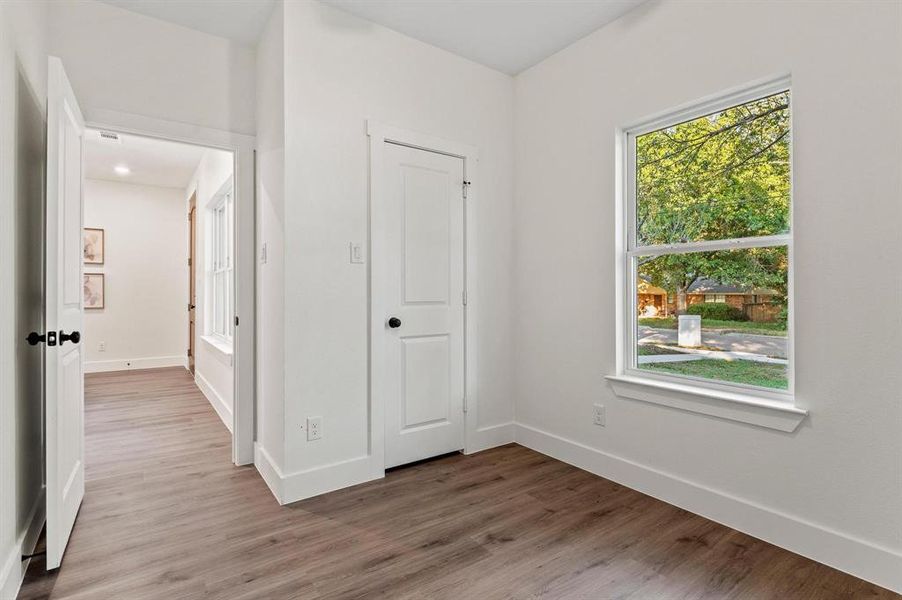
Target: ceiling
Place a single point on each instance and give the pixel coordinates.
(506, 35)
(239, 20)
(151, 161)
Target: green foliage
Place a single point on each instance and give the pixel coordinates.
(783, 317)
(721, 176)
(717, 310)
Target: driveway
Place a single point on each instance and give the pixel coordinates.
(767, 345)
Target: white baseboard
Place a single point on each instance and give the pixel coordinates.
(269, 471)
(860, 558)
(127, 364)
(490, 437)
(328, 478)
(300, 485)
(13, 570)
(219, 405)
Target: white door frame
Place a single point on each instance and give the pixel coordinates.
(379, 134)
(242, 148)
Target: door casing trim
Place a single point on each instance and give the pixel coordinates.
(379, 134)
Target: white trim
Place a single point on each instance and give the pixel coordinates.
(269, 471)
(774, 414)
(379, 134)
(14, 568)
(627, 252)
(299, 485)
(242, 146)
(877, 564)
(220, 348)
(219, 405)
(490, 437)
(131, 364)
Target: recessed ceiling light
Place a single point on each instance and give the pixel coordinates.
(122, 170)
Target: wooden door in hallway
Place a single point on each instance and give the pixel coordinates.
(192, 277)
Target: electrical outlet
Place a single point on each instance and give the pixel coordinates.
(598, 415)
(101, 347)
(314, 428)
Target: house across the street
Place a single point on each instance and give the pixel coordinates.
(757, 304)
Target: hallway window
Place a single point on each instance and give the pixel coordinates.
(221, 264)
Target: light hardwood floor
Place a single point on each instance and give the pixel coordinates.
(167, 516)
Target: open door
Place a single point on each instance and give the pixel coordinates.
(64, 372)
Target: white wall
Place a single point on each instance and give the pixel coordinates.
(121, 61)
(832, 489)
(144, 323)
(339, 71)
(270, 211)
(212, 363)
(23, 96)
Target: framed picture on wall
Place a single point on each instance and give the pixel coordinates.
(94, 290)
(93, 246)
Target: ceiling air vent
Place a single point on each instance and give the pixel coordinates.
(110, 137)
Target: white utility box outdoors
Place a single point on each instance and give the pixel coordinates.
(690, 332)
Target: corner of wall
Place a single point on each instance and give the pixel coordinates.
(12, 570)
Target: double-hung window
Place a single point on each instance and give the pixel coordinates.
(707, 204)
(221, 264)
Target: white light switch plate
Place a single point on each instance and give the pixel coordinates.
(356, 249)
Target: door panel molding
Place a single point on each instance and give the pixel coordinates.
(379, 134)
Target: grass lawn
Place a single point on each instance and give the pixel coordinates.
(775, 329)
(733, 371)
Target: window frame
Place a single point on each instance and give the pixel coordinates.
(221, 264)
(628, 251)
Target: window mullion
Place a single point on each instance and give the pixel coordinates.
(712, 245)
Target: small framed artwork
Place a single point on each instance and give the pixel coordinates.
(94, 290)
(93, 246)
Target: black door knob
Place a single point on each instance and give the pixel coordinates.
(394, 322)
(73, 337)
(34, 338)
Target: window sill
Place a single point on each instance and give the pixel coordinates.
(221, 349)
(773, 414)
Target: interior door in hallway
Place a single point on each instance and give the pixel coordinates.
(423, 294)
(64, 311)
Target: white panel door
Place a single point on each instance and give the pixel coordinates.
(423, 295)
(64, 374)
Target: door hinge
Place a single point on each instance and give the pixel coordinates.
(189, 352)
(465, 403)
(466, 186)
(189, 261)
(463, 297)
(236, 320)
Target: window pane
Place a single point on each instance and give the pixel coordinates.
(740, 339)
(722, 176)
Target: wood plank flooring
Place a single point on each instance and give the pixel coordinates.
(167, 516)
